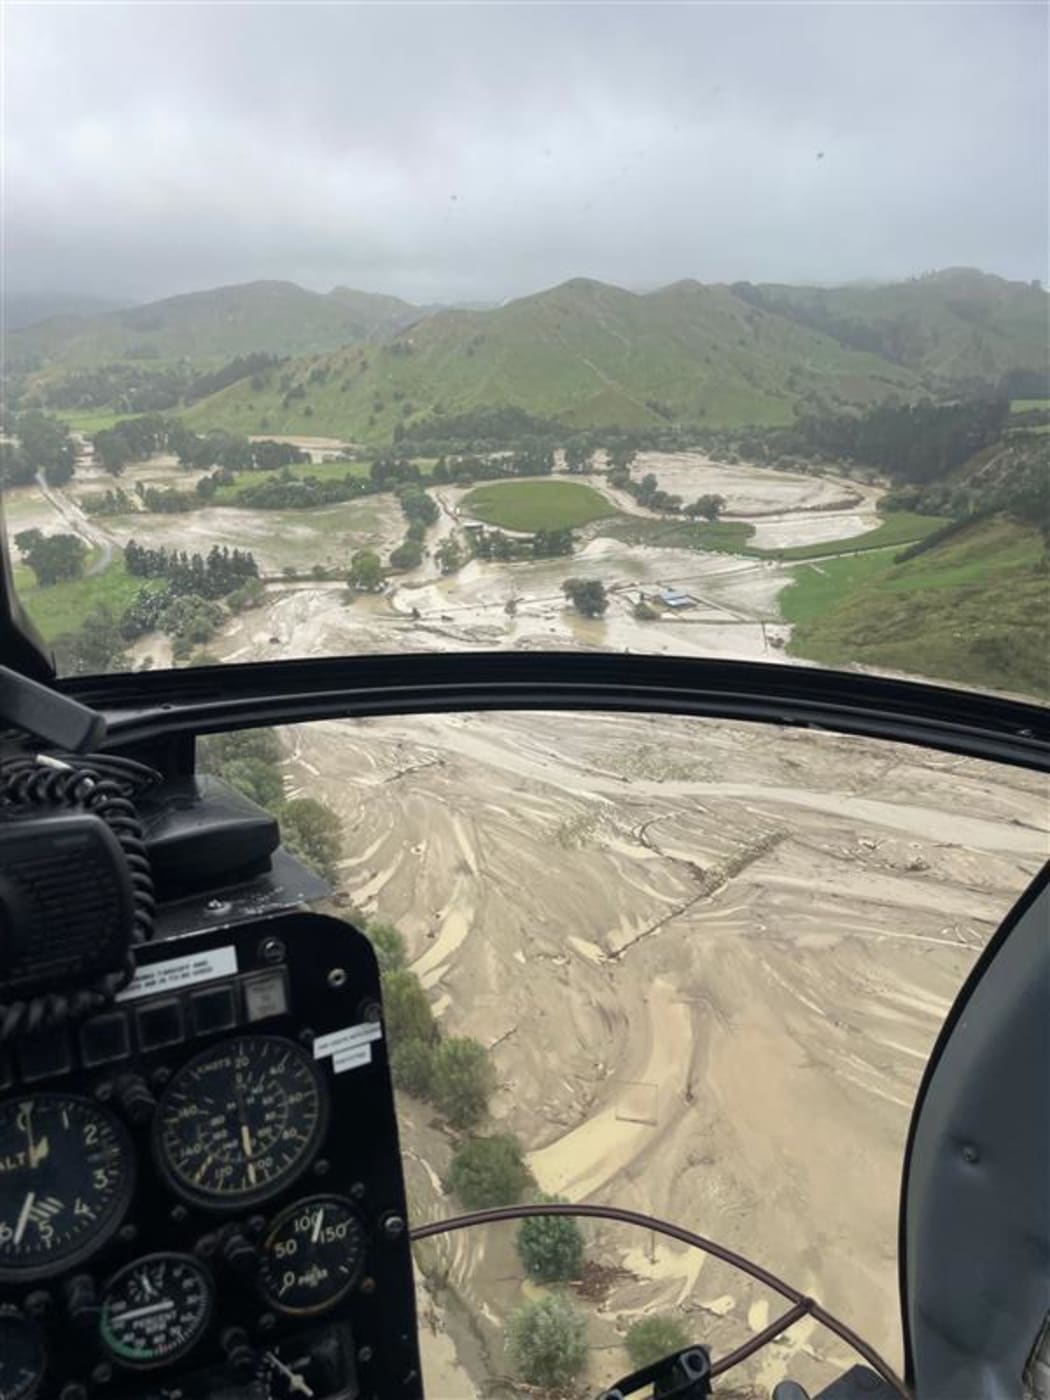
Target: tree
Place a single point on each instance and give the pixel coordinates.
(47, 446)
(412, 1068)
(578, 455)
(52, 557)
(191, 620)
(652, 1338)
(389, 946)
(463, 1080)
(710, 507)
(256, 779)
(406, 1008)
(312, 832)
(550, 1247)
(587, 596)
(490, 1171)
(620, 456)
(97, 648)
(547, 1342)
(406, 556)
(366, 571)
(448, 556)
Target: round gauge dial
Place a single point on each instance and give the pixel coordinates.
(156, 1310)
(22, 1357)
(66, 1176)
(241, 1121)
(312, 1253)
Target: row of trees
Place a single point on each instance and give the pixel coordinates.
(213, 575)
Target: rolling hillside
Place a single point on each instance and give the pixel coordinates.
(584, 353)
(958, 327)
(273, 317)
(973, 607)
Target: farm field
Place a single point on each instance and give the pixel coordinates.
(537, 505)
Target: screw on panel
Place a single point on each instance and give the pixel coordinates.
(393, 1227)
(271, 951)
(214, 907)
(357, 1191)
(178, 1215)
(38, 1302)
(970, 1154)
(337, 978)
(371, 1011)
(322, 1166)
(102, 1374)
(128, 1233)
(364, 1355)
(368, 1285)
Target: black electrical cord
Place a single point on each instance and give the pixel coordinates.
(105, 786)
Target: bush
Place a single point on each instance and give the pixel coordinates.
(652, 1338)
(463, 1081)
(406, 1008)
(490, 1172)
(550, 1247)
(547, 1342)
(412, 1067)
(311, 831)
(256, 779)
(388, 945)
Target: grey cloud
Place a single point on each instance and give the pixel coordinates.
(445, 151)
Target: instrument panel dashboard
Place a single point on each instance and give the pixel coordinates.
(200, 1188)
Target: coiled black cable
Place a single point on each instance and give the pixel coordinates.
(105, 786)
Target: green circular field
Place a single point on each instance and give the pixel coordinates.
(537, 505)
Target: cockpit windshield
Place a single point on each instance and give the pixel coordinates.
(694, 331)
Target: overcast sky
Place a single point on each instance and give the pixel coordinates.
(448, 152)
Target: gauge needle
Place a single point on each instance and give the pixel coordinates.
(295, 1381)
(315, 1234)
(35, 1151)
(23, 1218)
(165, 1305)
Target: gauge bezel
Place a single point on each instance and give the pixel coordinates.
(100, 1235)
(277, 1223)
(10, 1314)
(167, 1257)
(231, 1203)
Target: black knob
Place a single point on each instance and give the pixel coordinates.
(135, 1098)
(239, 1252)
(241, 1359)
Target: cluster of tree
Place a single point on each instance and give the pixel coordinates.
(110, 502)
(43, 445)
(256, 367)
(587, 596)
(53, 558)
(451, 1072)
(544, 544)
(916, 443)
(249, 760)
(1010, 477)
(287, 492)
(484, 429)
(167, 500)
(366, 571)
(213, 575)
(124, 388)
(133, 440)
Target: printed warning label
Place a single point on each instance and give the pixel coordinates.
(176, 973)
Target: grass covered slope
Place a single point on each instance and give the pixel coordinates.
(584, 354)
(537, 505)
(277, 318)
(971, 609)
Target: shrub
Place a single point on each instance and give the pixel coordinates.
(406, 1008)
(651, 1338)
(550, 1247)
(547, 1342)
(412, 1067)
(490, 1171)
(389, 946)
(463, 1081)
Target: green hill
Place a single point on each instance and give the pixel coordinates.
(958, 327)
(584, 353)
(277, 318)
(972, 608)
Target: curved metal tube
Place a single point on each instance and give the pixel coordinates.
(802, 1305)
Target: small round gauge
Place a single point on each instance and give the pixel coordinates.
(312, 1253)
(240, 1122)
(67, 1171)
(156, 1310)
(22, 1357)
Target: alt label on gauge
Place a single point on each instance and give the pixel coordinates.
(312, 1254)
(156, 1310)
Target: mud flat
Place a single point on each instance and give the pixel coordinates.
(710, 961)
(748, 490)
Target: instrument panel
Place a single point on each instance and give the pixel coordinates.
(200, 1188)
